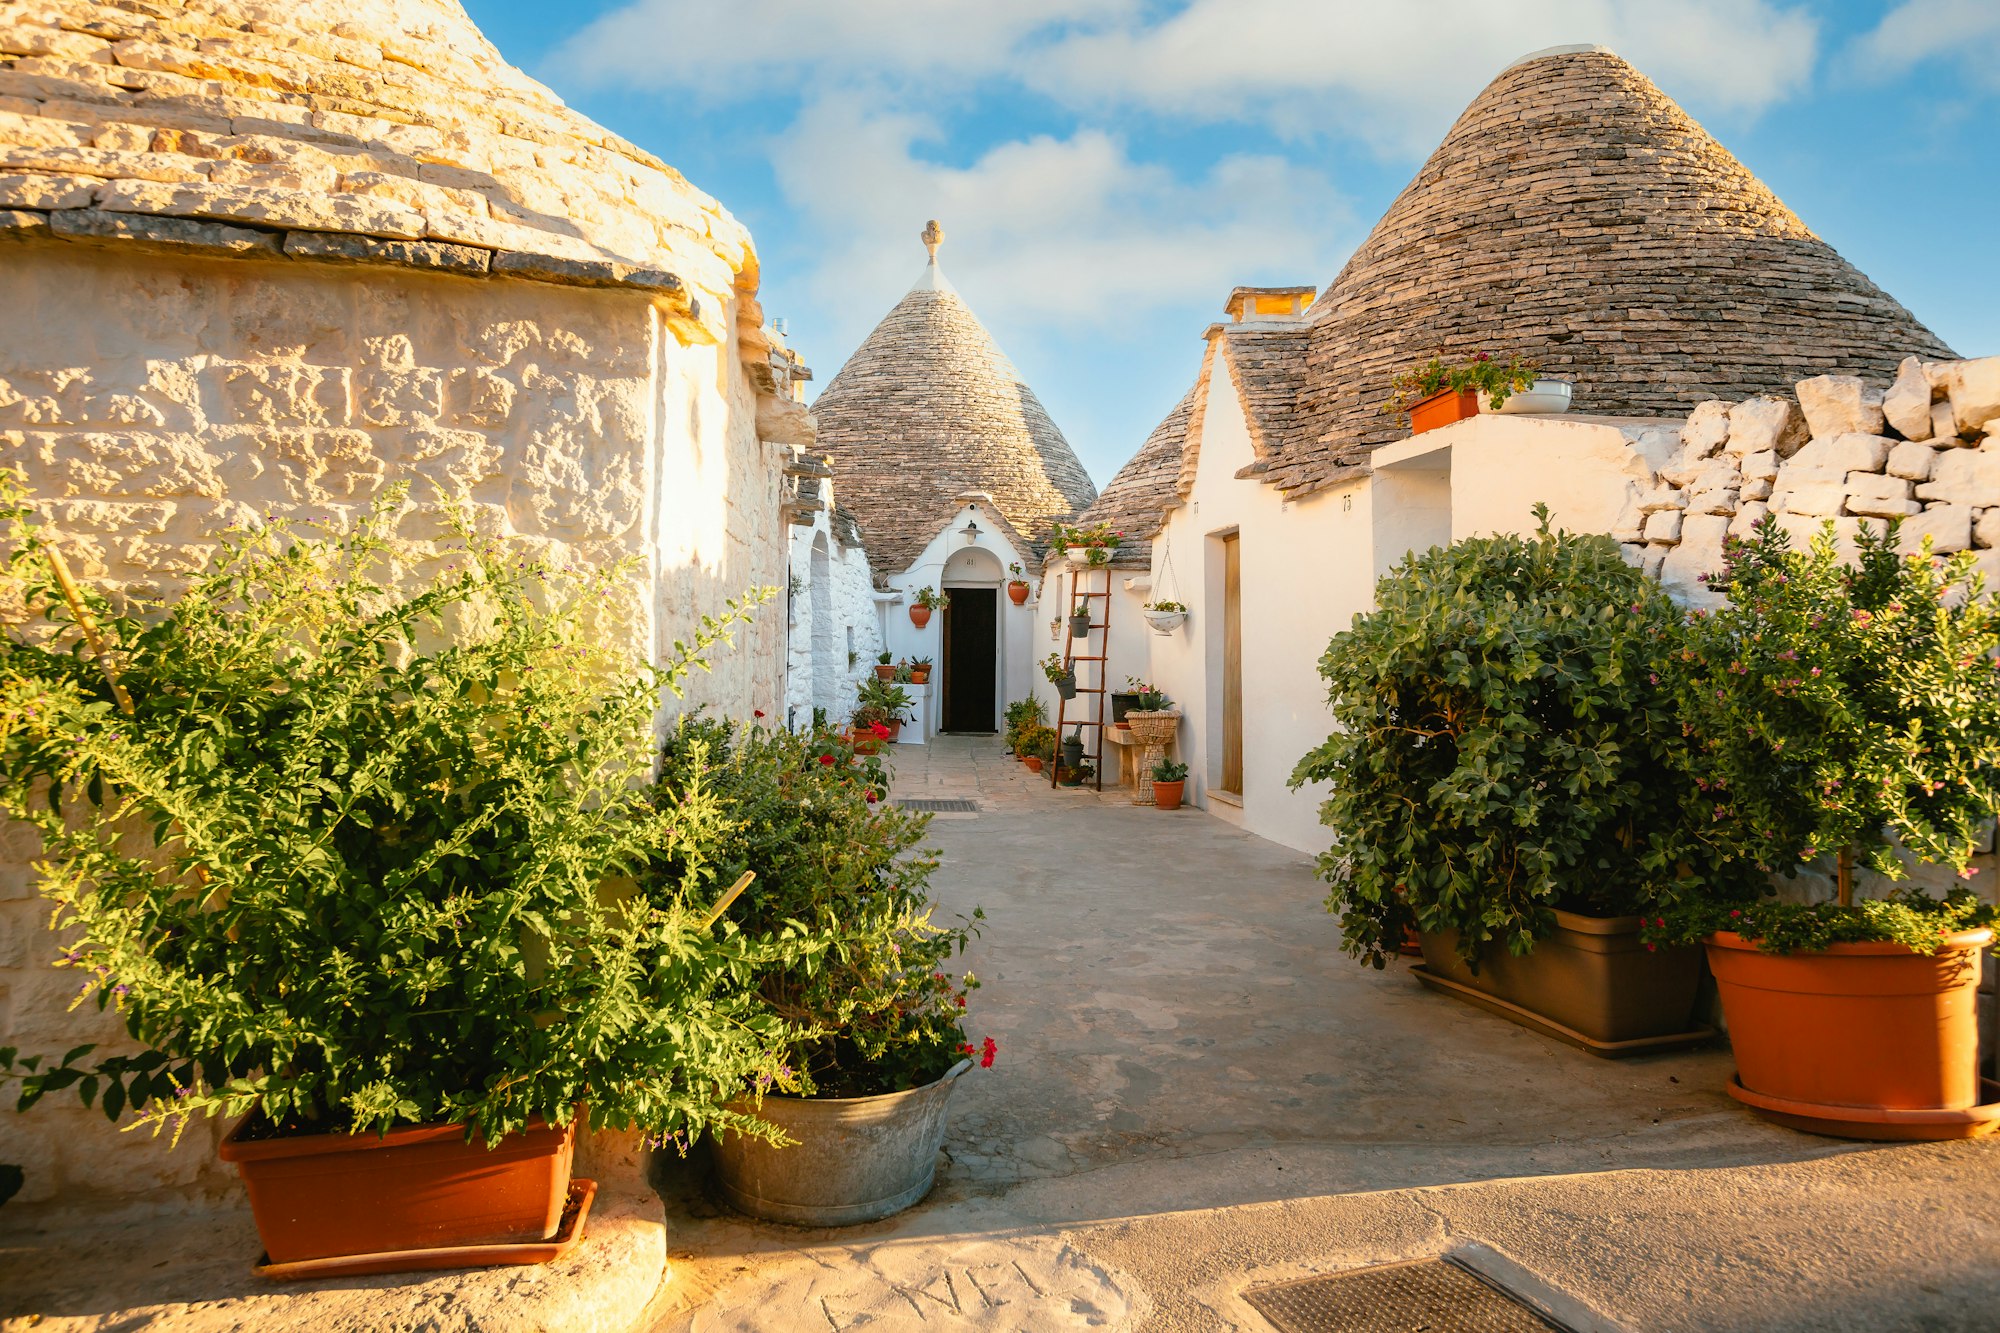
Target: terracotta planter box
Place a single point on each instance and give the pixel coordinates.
(318, 1196)
(1167, 795)
(1863, 1041)
(1592, 983)
(1442, 408)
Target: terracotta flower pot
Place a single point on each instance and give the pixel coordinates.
(1442, 408)
(318, 1196)
(1017, 592)
(920, 616)
(884, 671)
(1034, 763)
(895, 726)
(1867, 1041)
(864, 742)
(1167, 795)
(1592, 983)
(919, 677)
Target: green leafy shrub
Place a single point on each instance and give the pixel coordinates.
(878, 1010)
(1495, 381)
(1022, 716)
(878, 702)
(360, 859)
(1502, 748)
(1170, 770)
(1850, 711)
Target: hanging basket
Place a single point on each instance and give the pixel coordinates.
(1165, 622)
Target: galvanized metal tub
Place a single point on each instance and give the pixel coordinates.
(856, 1159)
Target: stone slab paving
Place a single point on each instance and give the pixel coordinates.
(1197, 1092)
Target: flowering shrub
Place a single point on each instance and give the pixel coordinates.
(1495, 380)
(1147, 698)
(1023, 716)
(1055, 669)
(1501, 748)
(351, 871)
(1840, 710)
(881, 1009)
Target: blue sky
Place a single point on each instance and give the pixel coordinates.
(1107, 169)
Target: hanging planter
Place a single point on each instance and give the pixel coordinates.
(920, 616)
(1060, 675)
(929, 599)
(1017, 591)
(1079, 625)
(1165, 617)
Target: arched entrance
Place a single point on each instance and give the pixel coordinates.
(826, 674)
(971, 644)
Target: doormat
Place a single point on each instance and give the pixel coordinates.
(1427, 1296)
(942, 807)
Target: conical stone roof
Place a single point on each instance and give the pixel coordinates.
(1134, 501)
(386, 130)
(1577, 216)
(929, 409)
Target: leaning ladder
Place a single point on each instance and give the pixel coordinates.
(1099, 602)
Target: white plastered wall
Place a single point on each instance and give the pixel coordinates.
(154, 401)
(835, 631)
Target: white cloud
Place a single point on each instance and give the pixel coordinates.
(1069, 232)
(1391, 73)
(1966, 32)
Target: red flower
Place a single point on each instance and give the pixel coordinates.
(965, 1049)
(826, 759)
(757, 712)
(986, 1056)
(881, 732)
(871, 798)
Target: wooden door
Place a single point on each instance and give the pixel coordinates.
(971, 657)
(1232, 664)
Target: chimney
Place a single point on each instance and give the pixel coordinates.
(1255, 303)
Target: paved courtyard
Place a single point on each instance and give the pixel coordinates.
(1197, 1092)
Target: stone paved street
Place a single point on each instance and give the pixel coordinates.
(1197, 1092)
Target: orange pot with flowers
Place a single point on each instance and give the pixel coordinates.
(1439, 392)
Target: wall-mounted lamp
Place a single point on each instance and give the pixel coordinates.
(970, 532)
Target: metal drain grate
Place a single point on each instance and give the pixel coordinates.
(942, 807)
(1427, 1296)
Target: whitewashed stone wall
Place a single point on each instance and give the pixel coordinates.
(152, 401)
(833, 606)
(1924, 449)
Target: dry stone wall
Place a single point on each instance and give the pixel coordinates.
(1923, 449)
(152, 401)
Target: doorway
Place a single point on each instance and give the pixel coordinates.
(971, 654)
(1232, 665)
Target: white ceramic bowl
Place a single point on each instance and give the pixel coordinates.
(1541, 396)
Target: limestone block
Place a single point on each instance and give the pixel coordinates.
(1699, 553)
(1949, 526)
(1986, 528)
(460, 459)
(1663, 525)
(277, 208)
(1813, 498)
(1655, 557)
(1974, 390)
(1758, 489)
(18, 224)
(98, 162)
(1840, 405)
(1748, 516)
(1707, 428)
(284, 394)
(1835, 456)
(1912, 459)
(1907, 404)
(167, 233)
(1761, 466)
(33, 189)
(1661, 497)
(1630, 523)
(1682, 466)
(475, 397)
(1767, 422)
(1944, 425)
(1877, 505)
(399, 397)
(1712, 502)
(1634, 553)
(1964, 476)
(1876, 485)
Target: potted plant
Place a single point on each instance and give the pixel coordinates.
(1038, 747)
(929, 599)
(1017, 586)
(1059, 675)
(1165, 616)
(1850, 714)
(920, 671)
(1152, 717)
(1079, 619)
(1503, 778)
(880, 1040)
(885, 666)
(386, 918)
(1169, 780)
(882, 704)
(1072, 748)
(1086, 545)
(1075, 775)
(1438, 392)
(1022, 716)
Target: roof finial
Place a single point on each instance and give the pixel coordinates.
(932, 238)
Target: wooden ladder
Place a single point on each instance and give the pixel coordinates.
(1100, 630)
